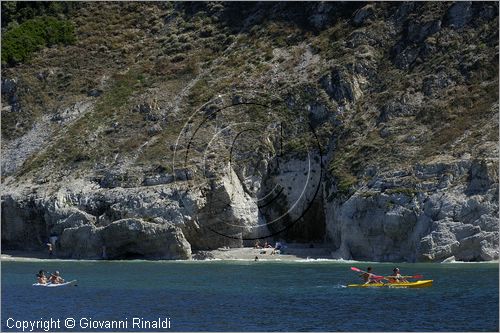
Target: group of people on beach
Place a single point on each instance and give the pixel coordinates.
(396, 277)
(278, 247)
(54, 278)
(265, 246)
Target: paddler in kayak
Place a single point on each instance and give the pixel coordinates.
(41, 278)
(55, 278)
(368, 276)
(396, 277)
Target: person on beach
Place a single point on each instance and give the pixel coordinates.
(104, 256)
(267, 245)
(396, 277)
(53, 239)
(368, 276)
(55, 278)
(41, 278)
(257, 245)
(50, 249)
(277, 248)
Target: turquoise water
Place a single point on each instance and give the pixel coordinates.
(253, 296)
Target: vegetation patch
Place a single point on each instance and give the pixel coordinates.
(402, 190)
(82, 143)
(19, 43)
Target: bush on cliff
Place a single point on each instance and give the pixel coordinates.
(19, 43)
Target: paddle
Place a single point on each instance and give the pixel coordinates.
(378, 277)
(373, 276)
(418, 276)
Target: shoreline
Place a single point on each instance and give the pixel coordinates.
(292, 254)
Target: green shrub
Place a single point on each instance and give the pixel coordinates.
(345, 184)
(402, 190)
(340, 169)
(19, 43)
(16, 12)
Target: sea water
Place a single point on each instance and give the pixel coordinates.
(247, 296)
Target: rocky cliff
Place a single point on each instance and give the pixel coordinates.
(159, 129)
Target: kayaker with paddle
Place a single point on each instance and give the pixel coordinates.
(396, 277)
(41, 278)
(368, 276)
(55, 278)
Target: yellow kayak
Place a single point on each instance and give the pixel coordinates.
(416, 284)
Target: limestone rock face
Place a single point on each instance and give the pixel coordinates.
(369, 127)
(20, 149)
(21, 223)
(125, 239)
(158, 222)
(423, 225)
(86, 218)
(227, 215)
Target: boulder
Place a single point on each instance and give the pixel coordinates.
(134, 238)
(94, 93)
(9, 90)
(363, 14)
(482, 176)
(82, 242)
(418, 32)
(76, 218)
(439, 244)
(404, 106)
(435, 83)
(478, 247)
(459, 14)
(404, 56)
(9, 86)
(318, 114)
(340, 86)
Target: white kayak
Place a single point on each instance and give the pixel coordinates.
(69, 283)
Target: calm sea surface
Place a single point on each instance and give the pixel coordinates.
(253, 296)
